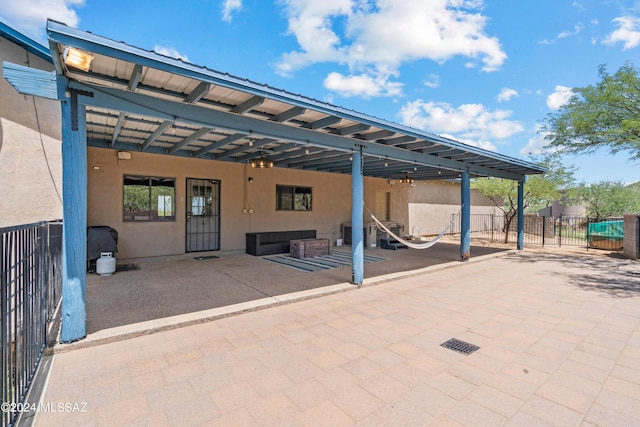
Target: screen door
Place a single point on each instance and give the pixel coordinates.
(203, 215)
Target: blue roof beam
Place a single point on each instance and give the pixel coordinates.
(136, 75)
(117, 129)
(219, 144)
(351, 129)
(138, 103)
(159, 131)
(291, 113)
(398, 140)
(244, 147)
(379, 134)
(248, 105)
(322, 123)
(198, 93)
(189, 139)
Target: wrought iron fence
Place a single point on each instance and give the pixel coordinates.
(31, 286)
(538, 230)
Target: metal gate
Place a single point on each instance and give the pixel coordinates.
(538, 230)
(203, 215)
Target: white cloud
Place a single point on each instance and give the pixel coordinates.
(506, 94)
(536, 145)
(576, 30)
(433, 81)
(228, 7)
(565, 34)
(170, 51)
(628, 33)
(561, 96)
(31, 16)
(377, 36)
(468, 121)
(362, 85)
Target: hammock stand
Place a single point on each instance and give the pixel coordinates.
(409, 243)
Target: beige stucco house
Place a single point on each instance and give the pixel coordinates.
(30, 158)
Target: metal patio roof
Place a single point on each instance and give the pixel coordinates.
(139, 100)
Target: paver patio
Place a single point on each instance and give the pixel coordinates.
(558, 335)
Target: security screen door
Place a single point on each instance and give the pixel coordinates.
(203, 215)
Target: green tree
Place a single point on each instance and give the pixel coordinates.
(604, 115)
(606, 199)
(539, 190)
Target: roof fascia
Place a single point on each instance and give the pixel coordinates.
(25, 42)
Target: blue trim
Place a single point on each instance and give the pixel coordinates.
(25, 42)
(74, 255)
(465, 217)
(520, 244)
(31, 81)
(357, 210)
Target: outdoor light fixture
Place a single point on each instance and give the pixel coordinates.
(407, 179)
(76, 58)
(261, 163)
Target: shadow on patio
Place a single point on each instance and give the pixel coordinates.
(170, 286)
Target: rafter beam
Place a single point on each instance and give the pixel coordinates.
(322, 123)
(159, 131)
(383, 133)
(137, 103)
(117, 129)
(196, 94)
(218, 144)
(189, 139)
(248, 105)
(291, 113)
(350, 130)
(398, 140)
(136, 75)
(244, 147)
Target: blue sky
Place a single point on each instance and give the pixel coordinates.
(484, 72)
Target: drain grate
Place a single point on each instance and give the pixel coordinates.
(460, 346)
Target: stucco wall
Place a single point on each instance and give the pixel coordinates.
(429, 205)
(30, 149)
(331, 200)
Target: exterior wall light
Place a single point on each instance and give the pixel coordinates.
(76, 58)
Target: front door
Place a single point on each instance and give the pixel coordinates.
(203, 215)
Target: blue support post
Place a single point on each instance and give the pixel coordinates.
(465, 217)
(520, 244)
(74, 251)
(357, 210)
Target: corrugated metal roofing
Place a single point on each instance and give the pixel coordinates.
(250, 119)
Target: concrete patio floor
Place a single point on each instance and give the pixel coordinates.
(170, 286)
(558, 336)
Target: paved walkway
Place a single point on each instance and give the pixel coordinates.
(558, 336)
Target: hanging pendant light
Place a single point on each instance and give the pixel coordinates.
(407, 179)
(261, 163)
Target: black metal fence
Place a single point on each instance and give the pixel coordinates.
(538, 230)
(31, 287)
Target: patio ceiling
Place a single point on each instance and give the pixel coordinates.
(140, 101)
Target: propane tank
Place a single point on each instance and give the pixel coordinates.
(106, 264)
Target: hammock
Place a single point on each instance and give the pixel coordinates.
(411, 244)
